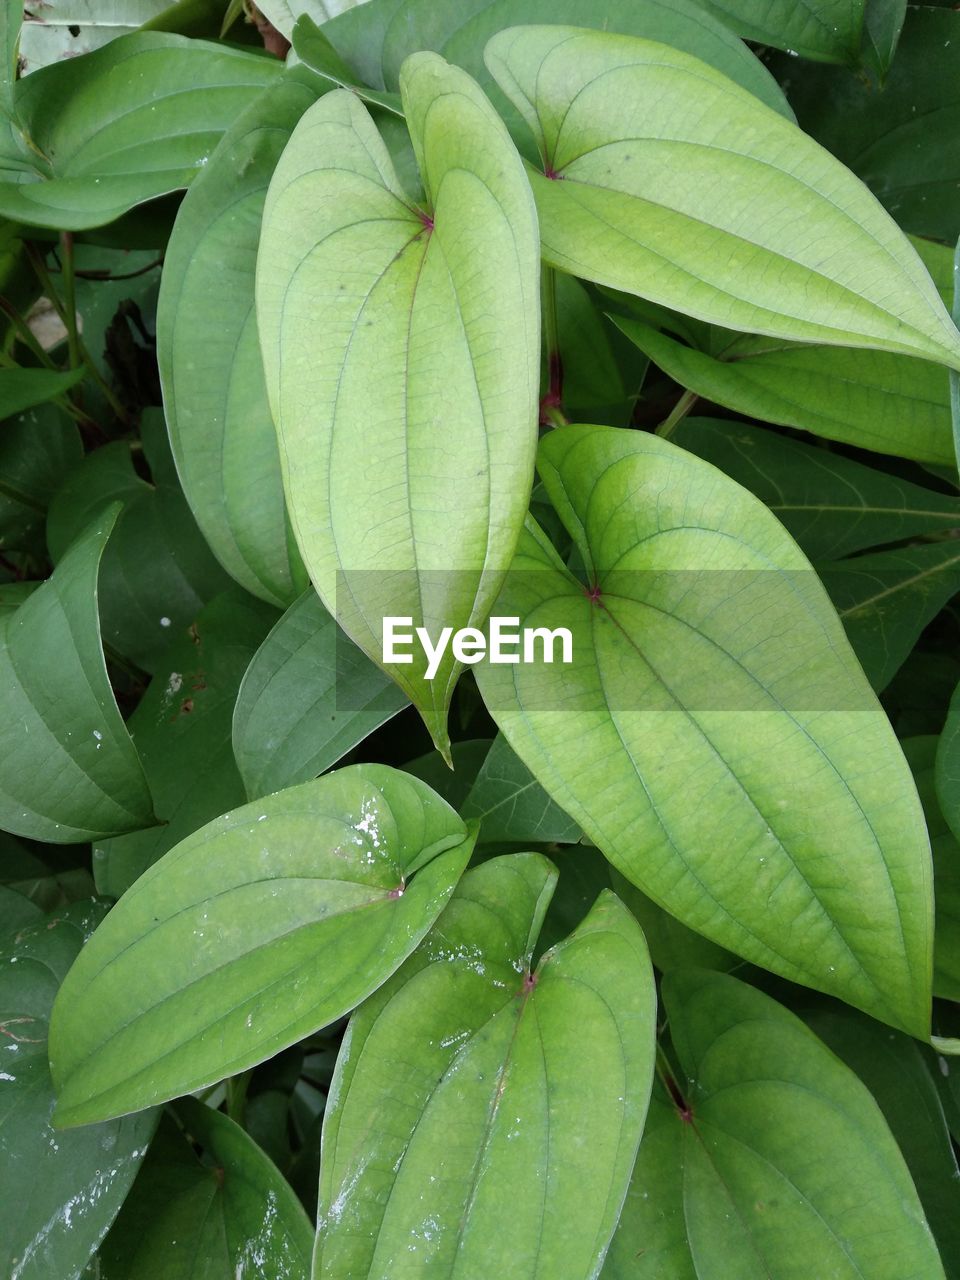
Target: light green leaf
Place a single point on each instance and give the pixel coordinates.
(832, 505)
(254, 932)
(210, 368)
(722, 209)
(382, 325)
(929, 758)
(715, 737)
(308, 697)
(902, 139)
(872, 399)
(182, 730)
(59, 1192)
(111, 129)
(21, 389)
(376, 40)
(68, 770)
(825, 30)
(157, 571)
(886, 599)
(11, 18)
(233, 1218)
(55, 30)
(510, 804)
(503, 1145)
(781, 1164)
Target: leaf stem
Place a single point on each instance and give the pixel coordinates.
(677, 414)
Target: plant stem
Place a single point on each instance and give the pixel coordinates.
(25, 333)
(677, 414)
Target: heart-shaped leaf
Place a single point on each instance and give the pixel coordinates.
(59, 1192)
(68, 770)
(216, 402)
(664, 178)
(714, 735)
(407, 418)
(252, 933)
(771, 1159)
(503, 1143)
(98, 134)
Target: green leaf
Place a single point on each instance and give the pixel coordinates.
(722, 209)
(428, 318)
(510, 804)
(948, 766)
(883, 22)
(69, 771)
(59, 1192)
(182, 730)
(21, 389)
(717, 740)
(826, 30)
(157, 571)
(782, 1164)
(903, 139)
(254, 932)
(11, 17)
(308, 697)
(927, 760)
(111, 129)
(897, 1071)
(38, 450)
(832, 505)
(228, 1216)
(377, 38)
(504, 1144)
(672, 945)
(60, 29)
(216, 401)
(872, 399)
(886, 599)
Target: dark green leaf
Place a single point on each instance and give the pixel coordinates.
(927, 763)
(510, 804)
(262, 927)
(826, 30)
(21, 389)
(38, 450)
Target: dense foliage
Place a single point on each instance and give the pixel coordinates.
(630, 321)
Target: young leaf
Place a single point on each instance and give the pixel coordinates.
(503, 1145)
(872, 399)
(775, 1162)
(59, 1192)
(825, 30)
(886, 599)
(832, 505)
(254, 932)
(307, 698)
(714, 736)
(234, 1217)
(216, 402)
(721, 209)
(182, 730)
(68, 770)
(429, 322)
(108, 130)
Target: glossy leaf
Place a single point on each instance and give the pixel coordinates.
(181, 728)
(722, 209)
(510, 804)
(781, 1166)
(741, 773)
(429, 318)
(886, 599)
(157, 571)
(59, 1192)
(68, 770)
(232, 1217)
(902, 139)
(21, 389)
(825, 30)
(872, 399)
(831, 504)
(263, 926)
(108, 130)
(377, 40)
(216, 401)
(504, 1144)
(307, 698)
